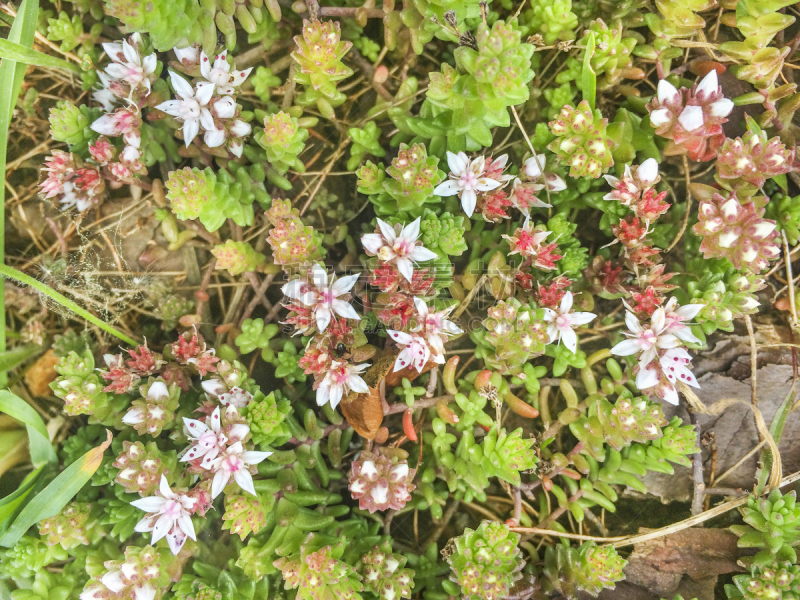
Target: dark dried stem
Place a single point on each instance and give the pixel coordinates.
(257, 299)
(699, 486)
(559, 511)
(449, 513)
(351, 11)
(399, 407)
(516, 495)
(259, 288)
(62, 242)
(204, 286)
(369, 72)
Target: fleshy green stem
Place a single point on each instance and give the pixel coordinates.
(11, 272)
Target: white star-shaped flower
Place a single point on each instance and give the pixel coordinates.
(208, 440)
(191, 109)
(561, 322)
(167, 516)
(235, 462)
(128, 66)
(323, 297)
(401, 249)
(340, 379)
(415, 353)
(219, 77)
(466, 179)
(647, 341)
(434, 326)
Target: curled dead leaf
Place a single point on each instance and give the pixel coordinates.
(364, 412)
(41, 374)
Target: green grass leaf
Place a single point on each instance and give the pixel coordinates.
(65, 302)
(13, 358)
(11, 503)
(55, 496)
(29, 56)
(41, 449)
(22, 32)
(588, 76)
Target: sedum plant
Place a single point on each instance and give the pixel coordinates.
(316, 287)
(486, 81)
(319, 60)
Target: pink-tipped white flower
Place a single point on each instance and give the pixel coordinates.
(104, 96)
(467, 178)
(208, 439)
(675, 365)
(402, 249)
(562, 321)
(113, 585)
(415, 353)
(667, 92)
(323, 297)
(128, 66)
(523, 195)
(236, 398)
(434, 326)
(219, 77)
(340, 379)
(534, 166)
(660, 376)
(676, 320)
(152, 411)
(646, 341)
(630, 186)
(123, 121)
(235, 462)
(189, 56)
(191, 109)
(168, 515)
(691, 118)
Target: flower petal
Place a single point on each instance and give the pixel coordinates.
(190, 130)
(626, 348)
(447, 188)
(151, 504)
(468, 201)
(406, 268)
(372, 242)
(582, 318)
(667, 92)
(411, 231)
(323, 318)
(387, 231)
(182, 87)
(400, 337)
(253, 457)
(345, 309)
(245, 481)
(344, 284)
(570, 339)
(220, 481)
(420, 254)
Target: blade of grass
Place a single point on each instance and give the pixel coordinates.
(13, 358)
(55, 496)
(41, 449)
(588, 76)
(11, 503)
(29, 56)
(11, 272)
(11, 73)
